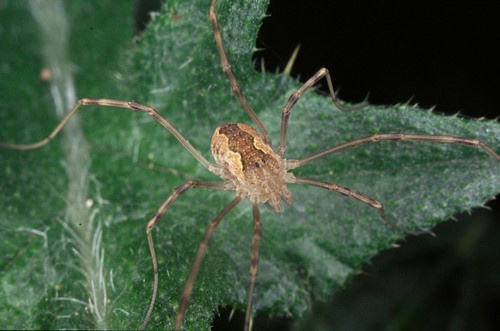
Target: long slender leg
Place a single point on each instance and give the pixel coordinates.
(254, 262)
(226, 67)
(358, 196)
(177, 192)
(202, 249)
(292, 100)
(132, 105)
(292, 164)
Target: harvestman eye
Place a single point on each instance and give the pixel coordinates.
(247, 164)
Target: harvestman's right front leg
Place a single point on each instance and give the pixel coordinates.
(177, 192)
(254, 263)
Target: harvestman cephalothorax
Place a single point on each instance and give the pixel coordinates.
(247, 164)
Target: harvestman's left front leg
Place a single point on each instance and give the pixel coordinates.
(358, 196)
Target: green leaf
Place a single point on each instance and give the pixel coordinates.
(50, 257)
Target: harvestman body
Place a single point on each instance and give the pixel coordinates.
(248, 165)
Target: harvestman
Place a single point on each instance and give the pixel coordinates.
(247, 164)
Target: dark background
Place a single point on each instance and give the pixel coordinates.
(441, 54)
